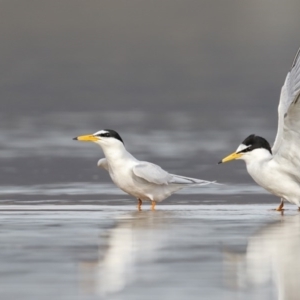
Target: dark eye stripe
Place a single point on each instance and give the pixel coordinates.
(109, 133)
(245, 150)
(256, 142)
(104, 134)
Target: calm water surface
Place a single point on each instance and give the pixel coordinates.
(68, 233)
(180, 251)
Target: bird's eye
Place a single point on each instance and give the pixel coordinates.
(104, 134)
(249, 148)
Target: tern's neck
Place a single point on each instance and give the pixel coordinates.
(117, 153)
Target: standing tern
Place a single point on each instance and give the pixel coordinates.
(140, 179)
(277, 169)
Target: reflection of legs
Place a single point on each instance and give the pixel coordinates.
(139, 206)
(280, 207)
(153, 203)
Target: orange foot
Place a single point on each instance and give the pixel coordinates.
(153, 203)
(280, 207)
(139, 206)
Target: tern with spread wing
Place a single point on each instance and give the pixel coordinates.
(140, 179)
(277, 169)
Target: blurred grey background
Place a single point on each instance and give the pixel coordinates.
(183, 82)
(146, 55)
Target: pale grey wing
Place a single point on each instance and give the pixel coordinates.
(102, 163)
(151, 173)
(155, 174)
(289, 94)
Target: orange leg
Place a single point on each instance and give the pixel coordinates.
(280, 207)
(153, 203)
(139, 206)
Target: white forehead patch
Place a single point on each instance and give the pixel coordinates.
(242, 147)
(100, 132)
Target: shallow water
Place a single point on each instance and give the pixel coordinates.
(114, 252)
(68, 233)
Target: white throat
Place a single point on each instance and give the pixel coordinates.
(114, 152)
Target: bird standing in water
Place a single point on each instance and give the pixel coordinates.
(277, 169)
(140, 179)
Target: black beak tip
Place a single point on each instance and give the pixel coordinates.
(220, 162)
(75, 138)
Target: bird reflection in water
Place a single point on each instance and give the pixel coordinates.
(134, 241)
(272, 257)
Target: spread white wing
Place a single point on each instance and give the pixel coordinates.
(288, 131)
(155, 174)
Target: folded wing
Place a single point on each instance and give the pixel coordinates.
(155, 174)
(152, 173)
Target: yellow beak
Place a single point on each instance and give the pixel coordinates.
(230, 157)
(87, 138)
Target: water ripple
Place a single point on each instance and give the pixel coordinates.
(87, 188)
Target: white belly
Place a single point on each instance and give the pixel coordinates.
(124, 180)
(138, 187)
(276, 180)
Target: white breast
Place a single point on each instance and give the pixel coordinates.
(274, 178)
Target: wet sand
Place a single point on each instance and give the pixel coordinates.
(206, 251)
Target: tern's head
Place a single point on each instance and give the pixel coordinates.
(105, 138)
(252, 148)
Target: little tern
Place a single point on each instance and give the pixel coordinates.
(140, 179)
(277, 169)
